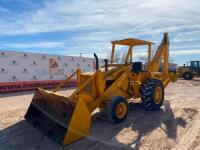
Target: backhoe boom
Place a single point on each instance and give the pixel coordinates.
(162, 52)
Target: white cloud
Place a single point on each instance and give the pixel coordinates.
(172, 53)
(27, 45)
(4, 10)
(102, 21)
(185, 52)
(140, 15)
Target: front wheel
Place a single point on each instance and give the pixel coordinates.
(152, 94)
(188, 76)
(117, 109)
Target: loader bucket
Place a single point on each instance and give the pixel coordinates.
(62, 119)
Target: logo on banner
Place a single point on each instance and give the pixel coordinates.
(54, 67)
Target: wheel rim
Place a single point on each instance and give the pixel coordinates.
(158, 95)
(121, 110)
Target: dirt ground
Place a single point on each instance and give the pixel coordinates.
(175, 126)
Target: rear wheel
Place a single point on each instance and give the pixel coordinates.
(117, 109)
(152, 94)
(187, 76)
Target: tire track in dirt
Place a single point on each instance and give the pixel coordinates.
(191, 139)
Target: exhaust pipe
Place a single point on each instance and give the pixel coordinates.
(106, 64)
(97, 61)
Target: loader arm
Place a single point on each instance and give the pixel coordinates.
(162, 52)
(118, 88)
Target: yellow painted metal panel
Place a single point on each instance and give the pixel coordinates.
(80, 123)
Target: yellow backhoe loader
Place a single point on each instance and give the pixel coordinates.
(110, 87)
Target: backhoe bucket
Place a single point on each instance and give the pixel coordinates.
(62, 119)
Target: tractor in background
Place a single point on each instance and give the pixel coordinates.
(190, 71)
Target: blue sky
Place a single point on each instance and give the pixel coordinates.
(71, 27)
